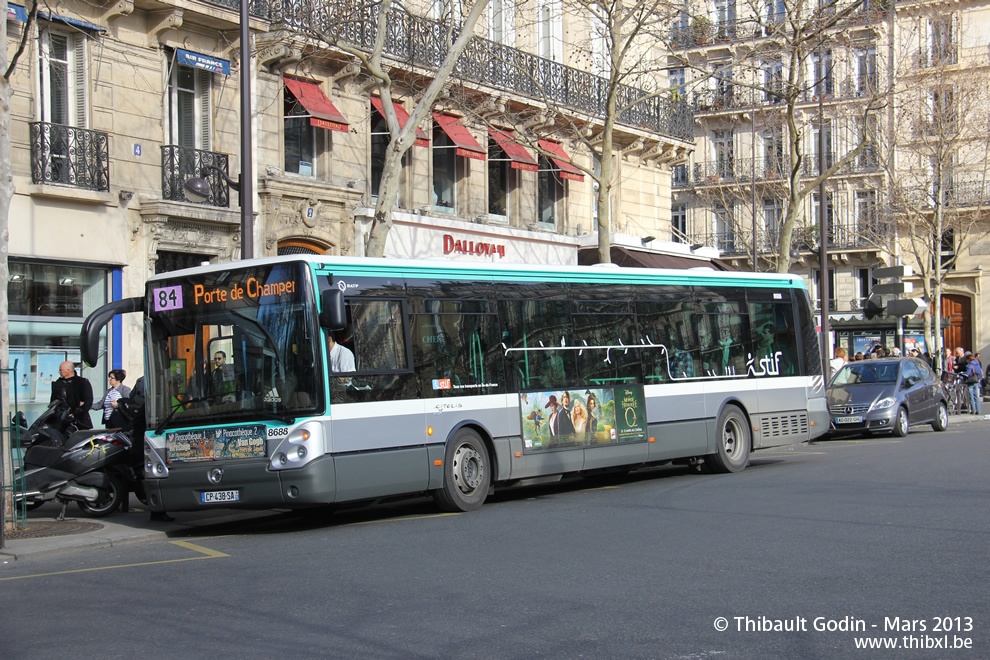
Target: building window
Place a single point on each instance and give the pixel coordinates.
(816, 291)
(820, 131)
(867, 224)
(678, 223)
(676, 80)
(550, 29)
(299, 137)
(725, 19)
(773, 217)
(821, 73)
(722, 142)
(725, 231)
(444, 172)
(500, 181)
(550, 192)
(947, 251)
(829, 216)
(773, 81)
(868, 131)
(942, 35)
(63, 78)
(773, 153)
(502, 22)
(866, 71)
(47, 305)
(189, 106)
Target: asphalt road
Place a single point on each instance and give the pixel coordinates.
(886, 535)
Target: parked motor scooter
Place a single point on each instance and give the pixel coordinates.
(63, 464)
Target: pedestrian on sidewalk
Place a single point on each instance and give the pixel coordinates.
(112, 418)
(77, 394)
(974, 374)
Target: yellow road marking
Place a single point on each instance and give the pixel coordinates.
(394, 520)
(206, 554)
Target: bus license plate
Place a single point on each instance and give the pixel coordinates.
(838, 420)
(215, 496)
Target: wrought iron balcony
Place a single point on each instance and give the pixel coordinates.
(959, 194)
(418, 41)
(257, 8)
(730, 171)
(182, 163)
(70, 156)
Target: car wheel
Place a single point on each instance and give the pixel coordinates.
(901, 425)
(941, 421)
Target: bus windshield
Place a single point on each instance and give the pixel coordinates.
(232, 346)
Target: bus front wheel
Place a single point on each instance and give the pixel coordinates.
(732, 452)
(466, 473)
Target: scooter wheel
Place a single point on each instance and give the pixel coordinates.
(109, 500)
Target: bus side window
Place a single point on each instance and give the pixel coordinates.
(534, 329)
(376, 335)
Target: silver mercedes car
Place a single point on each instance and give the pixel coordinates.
(886, 395)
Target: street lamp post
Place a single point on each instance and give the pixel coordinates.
(197, 189)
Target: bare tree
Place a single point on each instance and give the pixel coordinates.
(367, 31)
(625, 76)
(8, 67)
(940, 179)
(785, 62)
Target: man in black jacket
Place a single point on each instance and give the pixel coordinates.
(132, 407)
(77, 394)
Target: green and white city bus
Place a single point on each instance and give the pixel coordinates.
(463, 375)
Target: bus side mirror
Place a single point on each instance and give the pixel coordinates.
(333, 316)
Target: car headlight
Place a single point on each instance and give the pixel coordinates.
(885, 402)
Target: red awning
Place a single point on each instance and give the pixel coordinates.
(562, 160)
(322, 112)
(521, 160)
(467, 146)
(400, 113)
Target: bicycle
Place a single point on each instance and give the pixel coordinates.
(957, 392)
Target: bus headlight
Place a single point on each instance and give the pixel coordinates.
(300, 446)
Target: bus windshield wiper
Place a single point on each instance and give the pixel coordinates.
(181, 405)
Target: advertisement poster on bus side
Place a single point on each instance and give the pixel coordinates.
(567, 419)
(211, 444)
(239, 441)
(189, 445)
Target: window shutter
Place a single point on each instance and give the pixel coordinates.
(77, 90)
(204, 80)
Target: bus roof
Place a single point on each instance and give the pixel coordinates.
(445, 268)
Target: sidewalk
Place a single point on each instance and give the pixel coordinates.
(43, 535)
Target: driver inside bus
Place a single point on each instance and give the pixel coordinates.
(340, 357)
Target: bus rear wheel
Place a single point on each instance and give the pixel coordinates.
(732, 452)
(466, 473)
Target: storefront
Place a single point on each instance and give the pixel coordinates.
(47, 304)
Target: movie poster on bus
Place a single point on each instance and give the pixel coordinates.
(564, 419)
(239, 441)
(186, 446)
(630, 406)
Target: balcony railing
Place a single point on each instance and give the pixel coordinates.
(257, 8)
(849, 233)
(182, 163)
(958, 194)
(705, 32)
(70, 156)
(421, 42)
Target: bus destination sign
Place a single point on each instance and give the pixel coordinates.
(245, 291)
